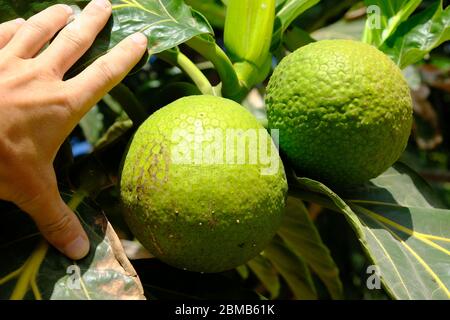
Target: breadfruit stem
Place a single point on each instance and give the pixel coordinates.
(195, 74)
(232, 87)
(177, 58)
(131, 105)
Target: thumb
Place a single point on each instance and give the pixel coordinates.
(57, 223)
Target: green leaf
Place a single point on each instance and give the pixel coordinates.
(166, 23)
(415, 38)
(292, 268)
(290, 10)
(384, 17)
(30, 269)
(267, 274)
(302, 237)
(401, 226)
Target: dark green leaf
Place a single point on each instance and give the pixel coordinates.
(402, 228)
(267, 274)
(302, 237)
(292, 268)
(44, 273)
(416, 37)
(296, 38)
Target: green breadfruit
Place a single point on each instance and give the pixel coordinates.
(204, 215)
(343, 109)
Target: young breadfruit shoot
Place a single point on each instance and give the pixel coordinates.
(263, 149)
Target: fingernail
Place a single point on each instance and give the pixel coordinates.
(68, 9)
(19, 20)
(139, 38)
(71, 18)
(77, 249)
(103, 3)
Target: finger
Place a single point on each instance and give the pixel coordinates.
(106, 72)
(57, 223)
(8, 30)
(38, 30)
(75, 39)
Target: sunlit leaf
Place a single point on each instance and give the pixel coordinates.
(384, 17)
(401, 226)
(166, 23)
(31, 269)
(420, 34)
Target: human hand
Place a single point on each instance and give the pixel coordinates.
(38, 110)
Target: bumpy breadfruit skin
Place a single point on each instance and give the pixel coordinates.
(343, 109)
(205, 218)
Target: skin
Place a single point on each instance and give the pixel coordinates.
(38, 110)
